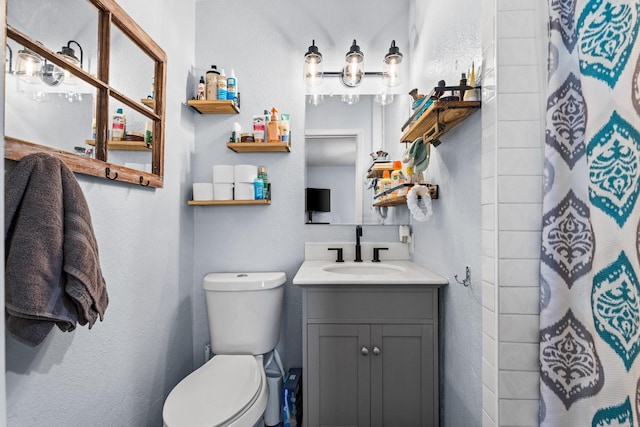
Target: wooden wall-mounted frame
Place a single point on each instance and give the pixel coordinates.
(109, 14)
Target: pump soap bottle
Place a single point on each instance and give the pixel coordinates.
(274, 126)
(212, 84)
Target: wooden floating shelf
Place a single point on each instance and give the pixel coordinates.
(376, 170)
(259, 147)
(213, 107)
(149, 102)
(228, 202)
(395, 201)
(122, 145)
(402, 200)
(438, 119)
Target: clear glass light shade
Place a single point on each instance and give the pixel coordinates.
(52, 75)
(315, 99)
(312, 71)
(391, 70)
(384, 98)
(28, 66)
(68, 55)
(353, 70)
(350, 98)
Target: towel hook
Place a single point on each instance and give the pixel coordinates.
(467, 280)
(107, 173)
(142, 180)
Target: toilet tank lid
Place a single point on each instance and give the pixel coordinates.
(243, 281)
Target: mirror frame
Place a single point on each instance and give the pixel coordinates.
(109, 12)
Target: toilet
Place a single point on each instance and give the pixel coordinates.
(231, 389)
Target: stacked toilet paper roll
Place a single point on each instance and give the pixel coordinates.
(243, 179)
(223, 178)
(202, 191)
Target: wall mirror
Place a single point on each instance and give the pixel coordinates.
(69, 65)
(339, 138)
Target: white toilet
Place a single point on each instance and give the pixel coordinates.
(244, 324)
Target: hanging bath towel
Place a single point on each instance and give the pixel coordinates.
(590, 264)
(52, 269)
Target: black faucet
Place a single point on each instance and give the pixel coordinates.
(358, 248)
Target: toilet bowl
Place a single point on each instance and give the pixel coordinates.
(231, 389)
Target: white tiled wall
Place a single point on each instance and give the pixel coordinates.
(514, 43)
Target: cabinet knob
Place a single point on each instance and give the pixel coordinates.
(376, 351)
(364, 351)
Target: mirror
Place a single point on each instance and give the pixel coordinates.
(70, 65)
(339, 138)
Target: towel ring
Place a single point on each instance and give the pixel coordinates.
(420, 211)
(107, 173)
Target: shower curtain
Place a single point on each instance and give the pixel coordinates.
(590, 258)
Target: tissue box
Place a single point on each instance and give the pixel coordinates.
(292, 398)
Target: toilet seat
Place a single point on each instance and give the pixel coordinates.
(218, 394)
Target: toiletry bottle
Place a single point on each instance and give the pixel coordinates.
(258, 128)
(118, 125)
(222, 86)
(274, 126)
(262, 174)
(212, 84)
(385, 184)
(284, 128)
(397, 177)
(231, 86)
(153, 87)
(258, 189)
(202, 92)
(267, 118)
(471, 95)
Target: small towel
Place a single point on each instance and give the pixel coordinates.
(52, 268)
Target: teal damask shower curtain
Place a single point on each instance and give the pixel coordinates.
(590, 258)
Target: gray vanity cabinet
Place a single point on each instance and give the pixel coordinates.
(370, 356)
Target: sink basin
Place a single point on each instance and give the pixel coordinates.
(369, 268)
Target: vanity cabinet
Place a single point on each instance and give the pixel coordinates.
(370, 356)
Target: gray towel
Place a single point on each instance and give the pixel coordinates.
(52, 269)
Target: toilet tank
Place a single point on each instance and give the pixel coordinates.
(244, 311)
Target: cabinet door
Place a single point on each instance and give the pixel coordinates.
(404, 376)
(338, 376)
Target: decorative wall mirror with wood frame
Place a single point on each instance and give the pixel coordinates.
(118, 57)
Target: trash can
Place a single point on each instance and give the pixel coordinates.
(274, 373)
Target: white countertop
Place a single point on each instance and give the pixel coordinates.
(311, 272)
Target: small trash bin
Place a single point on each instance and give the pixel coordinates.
(274, 372)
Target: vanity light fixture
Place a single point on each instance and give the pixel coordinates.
(350, 98)
(391, 75)
(353, 69)
(312, 66)
(353, 72)
(28, 66)
(315, 99)
(69, 55)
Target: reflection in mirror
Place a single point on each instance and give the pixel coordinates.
(339, 138)
(55, 23)
(131, 70)
(71, 63)
(53, 117)
(131, 150)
